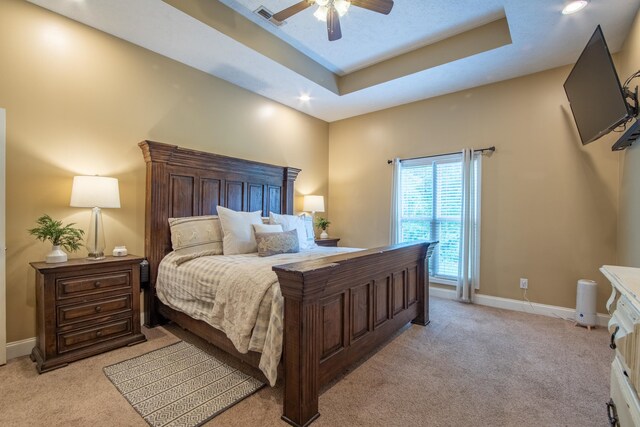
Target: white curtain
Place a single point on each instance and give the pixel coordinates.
(469, 266)
(396, 205)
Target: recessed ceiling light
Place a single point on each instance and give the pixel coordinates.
(574, 6)
(304, 98)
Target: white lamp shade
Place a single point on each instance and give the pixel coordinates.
(313, 204)
(321, 13)
(341, 6)
(95, 192)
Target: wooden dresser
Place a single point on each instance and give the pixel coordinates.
(85, 308)
(624, 326)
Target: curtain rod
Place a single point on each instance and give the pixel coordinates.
(481, 150)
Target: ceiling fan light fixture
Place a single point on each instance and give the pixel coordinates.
(330, 11)
(574, 6)
(341, 6)
(321, 13)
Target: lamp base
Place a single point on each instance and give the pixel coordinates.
(95, 238)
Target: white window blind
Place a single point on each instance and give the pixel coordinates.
(431, 208)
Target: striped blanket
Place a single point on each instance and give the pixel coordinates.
(237, 294)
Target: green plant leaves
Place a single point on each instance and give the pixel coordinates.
(58, 234)
(322, 223)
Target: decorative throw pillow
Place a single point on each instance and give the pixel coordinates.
(285, 242)
(267, 228)
(196, 235)
(291, 222)
(237, 228)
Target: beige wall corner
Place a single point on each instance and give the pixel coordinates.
(78, 102)
(549, 204)
(629, 217)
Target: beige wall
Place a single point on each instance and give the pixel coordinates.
(78, 101)
(629, 218)
(549, 208)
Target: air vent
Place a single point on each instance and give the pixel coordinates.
(266, 14)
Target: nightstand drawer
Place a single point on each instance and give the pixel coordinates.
(75, 313)
(71, 287)
(74, 340)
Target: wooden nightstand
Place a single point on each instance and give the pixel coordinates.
(329, 241)
(84, 308)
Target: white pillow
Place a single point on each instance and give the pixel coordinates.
(311, 235)
(196, 235)
(239, 237)
(267, 228)
(293, 222)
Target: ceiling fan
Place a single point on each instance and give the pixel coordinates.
(331, 11)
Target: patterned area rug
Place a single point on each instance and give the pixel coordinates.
(180, 385)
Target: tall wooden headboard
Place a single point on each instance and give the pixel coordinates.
(183, 182)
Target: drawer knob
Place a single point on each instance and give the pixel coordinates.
(99, 333)
(98, 309)
(97, 284)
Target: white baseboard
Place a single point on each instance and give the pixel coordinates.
(517, 305)
(20, 348)
(442, 293)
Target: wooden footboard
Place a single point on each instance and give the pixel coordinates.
(339, 308)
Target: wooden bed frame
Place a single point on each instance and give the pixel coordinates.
(337, 309)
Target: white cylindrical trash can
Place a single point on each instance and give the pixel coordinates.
(586, 302)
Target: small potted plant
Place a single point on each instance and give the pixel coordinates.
(323, 224)
(65, 236)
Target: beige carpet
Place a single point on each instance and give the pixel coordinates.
(472, 366)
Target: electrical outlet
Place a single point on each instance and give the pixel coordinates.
(524, 283)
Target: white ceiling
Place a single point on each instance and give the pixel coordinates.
(542, 37)
(369, 37)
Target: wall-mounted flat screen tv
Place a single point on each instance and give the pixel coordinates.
(597, 99)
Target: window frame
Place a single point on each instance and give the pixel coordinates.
(431, 161)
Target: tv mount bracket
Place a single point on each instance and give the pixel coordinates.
(632, 133)
(633, 96)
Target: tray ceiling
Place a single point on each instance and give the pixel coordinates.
(420, 50)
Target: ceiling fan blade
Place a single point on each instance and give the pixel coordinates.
(333, 24)
(292, 10)
(380, 6)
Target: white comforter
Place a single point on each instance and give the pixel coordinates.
(237, 294)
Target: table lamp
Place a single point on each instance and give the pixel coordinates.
(314, 204)
(95, 192)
